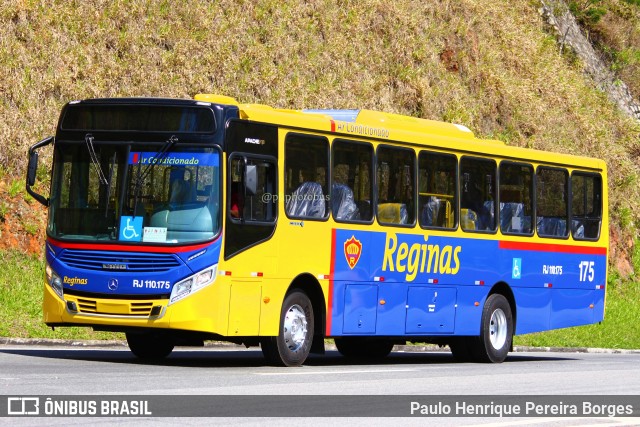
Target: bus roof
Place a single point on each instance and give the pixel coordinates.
(398, 128)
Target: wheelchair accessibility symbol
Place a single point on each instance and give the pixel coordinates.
(516, 271)
(131, 228)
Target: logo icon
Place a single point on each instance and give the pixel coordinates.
(352, 251)
(113, 284)
(23, 406)
(131, 228)
(516, 271)
(114, 266)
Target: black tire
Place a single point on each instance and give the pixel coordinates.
(364, 348)
(496, 331)
(292, 345)
(149, 345)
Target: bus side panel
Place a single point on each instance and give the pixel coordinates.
(555, 286)
(205, 311)
(533, 306)
(360, 303)
(244, 308)
(599, 304)
(469, 309)
(408, 284)
(571, 307)
(392, 309)
(431, 310)
(273, 293)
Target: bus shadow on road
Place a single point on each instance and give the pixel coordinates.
(212, 358)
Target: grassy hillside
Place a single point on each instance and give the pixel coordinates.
(612, 26)
(490, 65)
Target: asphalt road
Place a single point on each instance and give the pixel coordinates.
(84, 371)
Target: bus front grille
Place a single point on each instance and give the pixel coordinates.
(114, 307)
(120, 261)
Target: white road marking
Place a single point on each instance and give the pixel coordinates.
(360, 371)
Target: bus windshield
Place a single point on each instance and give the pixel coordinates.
(164, 193)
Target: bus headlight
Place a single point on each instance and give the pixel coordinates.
(193, 284)
(54, 280)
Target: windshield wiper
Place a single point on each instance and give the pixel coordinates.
(88, 139)
(112, 168)
(157, 159)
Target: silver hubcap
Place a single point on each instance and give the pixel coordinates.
(498, 329)
(295, 327)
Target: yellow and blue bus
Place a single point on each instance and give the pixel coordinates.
(181, 221)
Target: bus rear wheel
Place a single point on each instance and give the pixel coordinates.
(364, 348)
(292, 345)
(149, 345)
(496, 333)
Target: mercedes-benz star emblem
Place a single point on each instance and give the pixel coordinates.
(113, 284)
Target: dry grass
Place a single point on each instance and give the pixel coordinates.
(489, 65)
(618, 37)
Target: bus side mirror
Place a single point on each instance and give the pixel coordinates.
(33, 168)
(250, 180)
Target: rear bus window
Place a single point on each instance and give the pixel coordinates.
(586, 205)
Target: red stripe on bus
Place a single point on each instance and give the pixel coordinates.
(552, 247)
(333, 126)
(332, 274)
(128, 248)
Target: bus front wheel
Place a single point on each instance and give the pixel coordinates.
(149, 345)
(293, 343)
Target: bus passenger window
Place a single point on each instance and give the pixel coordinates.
(352, 184)
(477, 194)
(552, 202)
(396, 185)
(437, 189)
(516, 198)
(306, 176)
(586, 205)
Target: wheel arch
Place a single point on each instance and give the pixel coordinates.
(308, 284)
(504, 289)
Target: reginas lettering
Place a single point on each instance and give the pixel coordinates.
(420, 258)
(74, 281)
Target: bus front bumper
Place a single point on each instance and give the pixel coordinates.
(204, 312)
